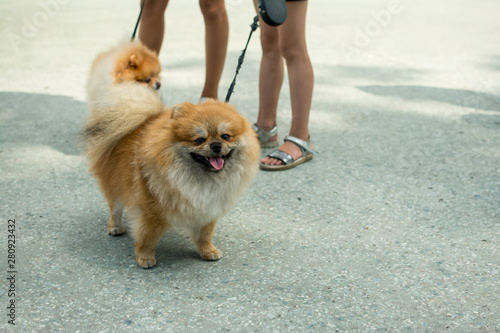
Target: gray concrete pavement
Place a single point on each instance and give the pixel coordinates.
(393, 227)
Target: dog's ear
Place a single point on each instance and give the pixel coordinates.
(182, 109)
(176, 111)
(134, 61)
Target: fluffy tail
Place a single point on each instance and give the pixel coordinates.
(116, 111)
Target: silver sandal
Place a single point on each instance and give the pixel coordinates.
(264, 136)
(287, 159)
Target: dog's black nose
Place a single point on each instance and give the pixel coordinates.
(216, 147)
(158, 85)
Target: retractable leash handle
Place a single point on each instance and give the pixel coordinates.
(274, 13)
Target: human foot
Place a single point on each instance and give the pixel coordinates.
(293, 152)
(287, 147)
(267, 138)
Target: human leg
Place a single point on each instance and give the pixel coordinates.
(293, 48)
(216, 38)
(270, 76)
(152, 24)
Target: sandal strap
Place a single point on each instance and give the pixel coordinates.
(303, 145)
(282, 156)
(264, 136)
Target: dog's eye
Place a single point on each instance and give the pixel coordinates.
(225, 137)
(147, 80)
(200, 140)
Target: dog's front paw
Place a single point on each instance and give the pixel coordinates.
(211, 255)
(116, 231)
(146, 262)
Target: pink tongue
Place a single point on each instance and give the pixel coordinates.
(217, 162)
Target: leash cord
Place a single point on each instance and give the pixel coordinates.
(254, 27)
(138, 20)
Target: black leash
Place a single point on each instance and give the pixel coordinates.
(138, 20)
(254, 27)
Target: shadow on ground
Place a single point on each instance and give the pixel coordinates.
(458, 97)
(40, 119)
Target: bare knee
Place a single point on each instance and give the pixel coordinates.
(269, 43)
(154, 8)
(292, 51)
(213, 10)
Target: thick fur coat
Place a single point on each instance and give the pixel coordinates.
(184, 167)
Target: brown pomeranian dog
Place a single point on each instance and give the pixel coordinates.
(182, 167)
(126, 62)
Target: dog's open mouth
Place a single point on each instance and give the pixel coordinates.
(212, 162)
